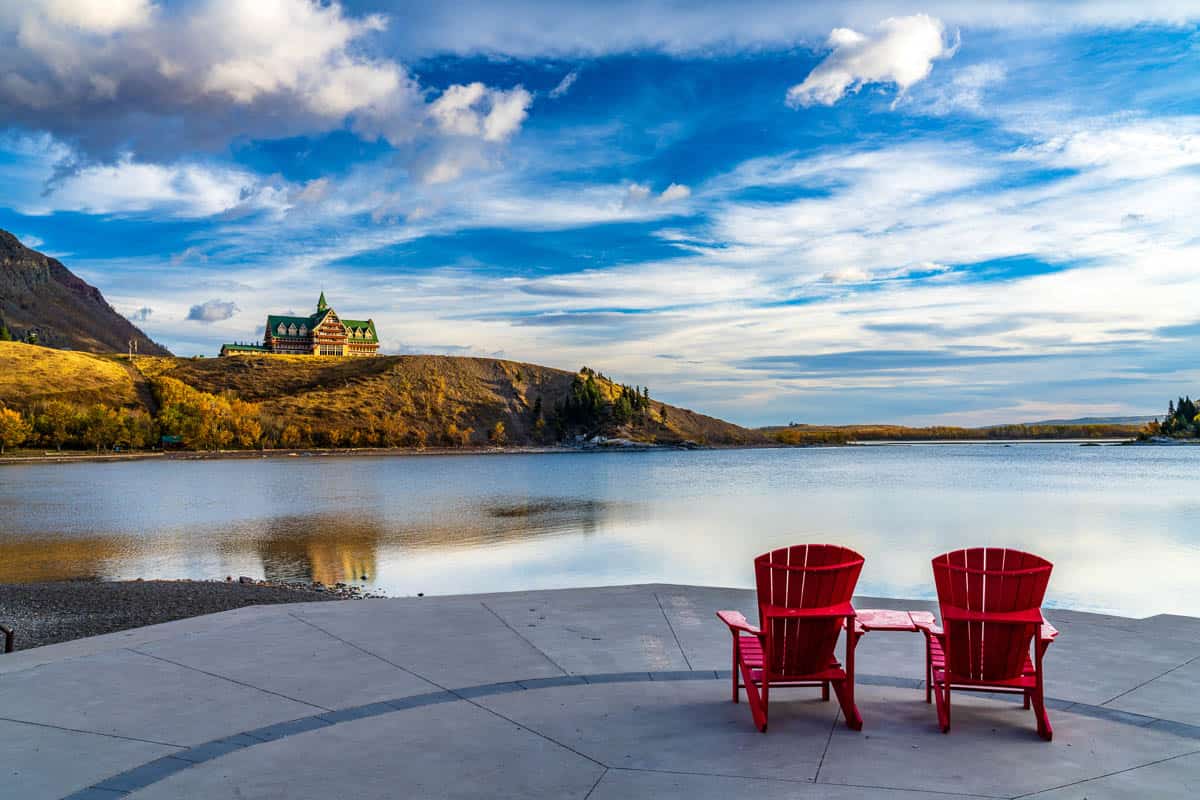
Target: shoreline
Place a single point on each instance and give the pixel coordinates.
(50, 612)
(346, 452)
(78, 457)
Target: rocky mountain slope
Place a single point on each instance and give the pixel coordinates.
(41, 296)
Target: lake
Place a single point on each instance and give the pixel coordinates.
(1121, 524)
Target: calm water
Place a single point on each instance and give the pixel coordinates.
(1122, 524)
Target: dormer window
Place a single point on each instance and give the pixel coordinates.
(292, 329)
(282, 329)
(303, 329)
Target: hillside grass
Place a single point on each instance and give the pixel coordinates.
(431, 396)
(30, 374)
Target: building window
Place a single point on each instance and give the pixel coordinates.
(303, 329)
(281, 330)
(331, 350)
(292, 329)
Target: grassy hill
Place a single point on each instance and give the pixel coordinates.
(30, 375)
(428, 395)
(296, 401)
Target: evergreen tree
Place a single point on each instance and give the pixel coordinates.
(5, 333)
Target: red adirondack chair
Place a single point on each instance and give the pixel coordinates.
(990, 602)
(803, 606)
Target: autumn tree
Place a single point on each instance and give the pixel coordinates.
(102, 427)
(53, 421)
(498, 435)
(14, 429)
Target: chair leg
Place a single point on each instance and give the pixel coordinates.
(941, 693)
(928, 670)
(1039, 711)
(757, 701)
(825, 691)
(845, 687)
(1025, 701)
(845, 696)
(1039, 694)
(733, 673)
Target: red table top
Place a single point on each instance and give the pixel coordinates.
(886, 619)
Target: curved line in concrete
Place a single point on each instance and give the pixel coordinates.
(161, 768)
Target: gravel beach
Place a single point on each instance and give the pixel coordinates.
(45, 613)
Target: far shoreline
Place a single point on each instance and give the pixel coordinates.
(78, 457)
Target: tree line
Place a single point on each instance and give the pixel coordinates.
(1182, 421)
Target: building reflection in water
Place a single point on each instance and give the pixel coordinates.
(345, 548)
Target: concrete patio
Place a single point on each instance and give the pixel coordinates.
(599, 693)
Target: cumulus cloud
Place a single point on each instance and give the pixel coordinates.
(676, 191)
(637, 194)
(901, 53)
(143, 314)
(478, 111)
(565, 84)
(113, 75)
(212, 311)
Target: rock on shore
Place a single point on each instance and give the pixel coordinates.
(45, 613)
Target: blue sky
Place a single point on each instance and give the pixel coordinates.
(821, 212)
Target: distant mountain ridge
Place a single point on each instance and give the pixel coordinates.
(39, 295)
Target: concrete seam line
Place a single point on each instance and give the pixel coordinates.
(592, 790)
(361, 649)
(1108, 774)
(91, 733)
(1152, 680)
(216, 748)
(522, 637)
(219, 676)
(671, 628)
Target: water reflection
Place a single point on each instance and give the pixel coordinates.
(1121, 524)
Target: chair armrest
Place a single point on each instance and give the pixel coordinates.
(778, 612)
(8, 634)
(928, 627)
(738, 622)
(1031, 617)
(1048, 633)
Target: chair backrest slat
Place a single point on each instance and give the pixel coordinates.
(990, 580)
(804, 576)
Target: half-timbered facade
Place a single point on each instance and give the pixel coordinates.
(321, 334)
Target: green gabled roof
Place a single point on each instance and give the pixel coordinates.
(273, 321)
(367, 326)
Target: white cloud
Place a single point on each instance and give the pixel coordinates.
(565, 84)
(97, 16)
(479, 111)
(635, 194)
(965, 90)
(212, 311)
(1139, 149)
(182, 190)
(676, 191)
(902, 53)
(168, 79)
